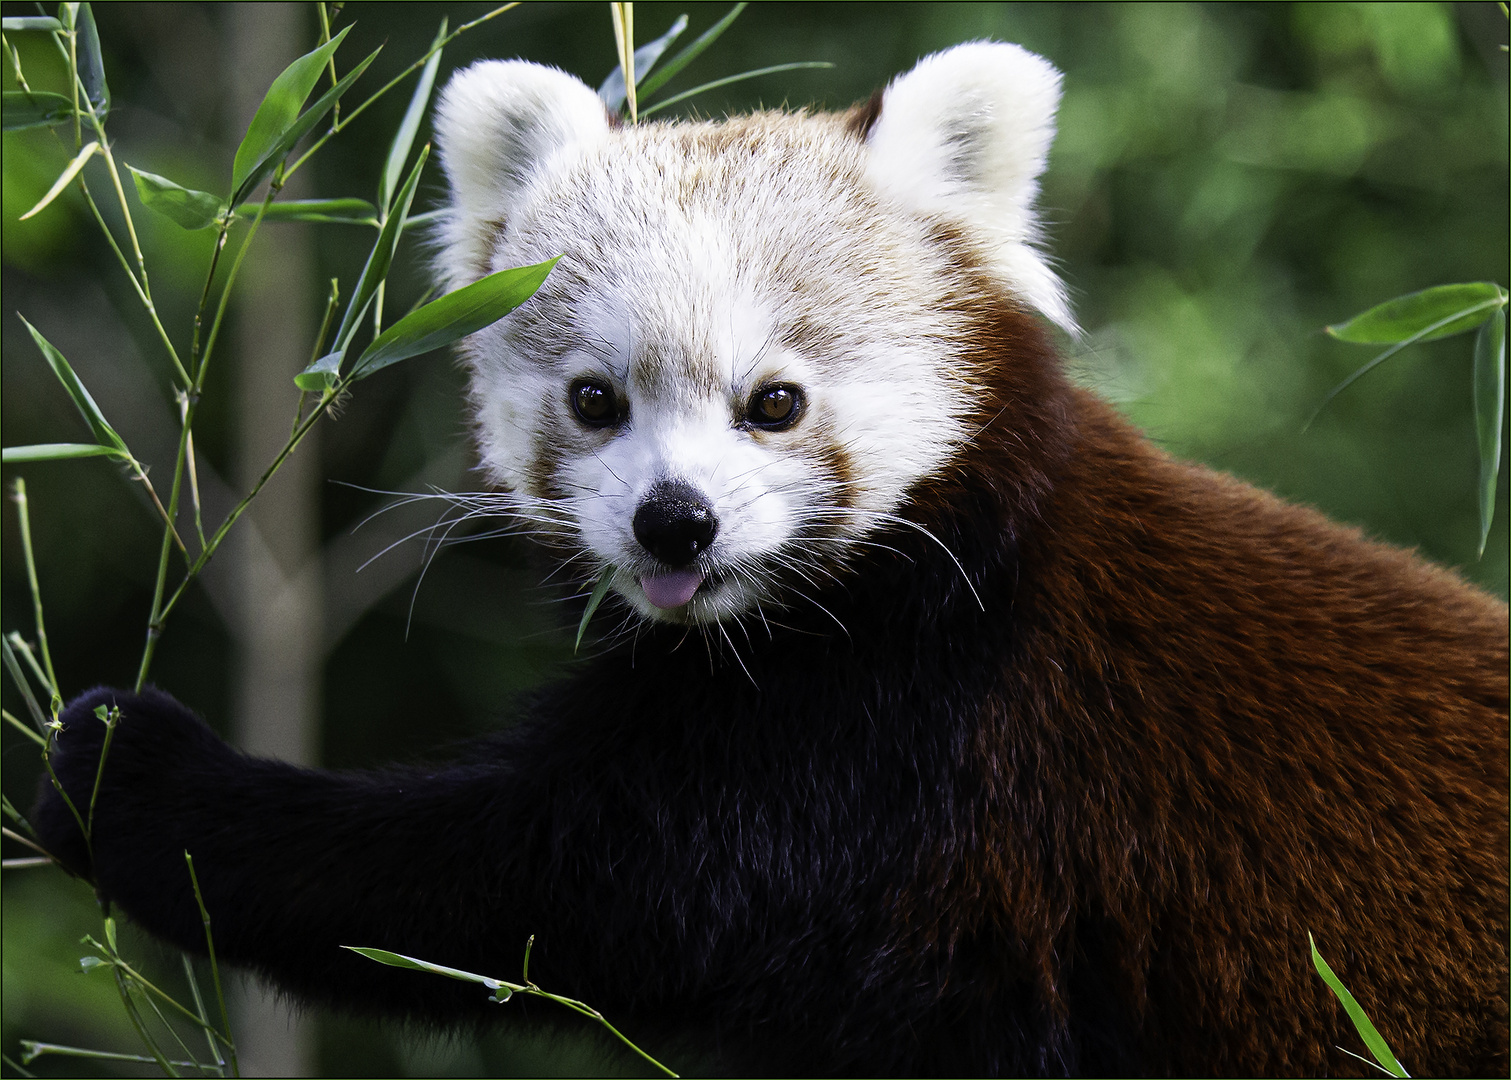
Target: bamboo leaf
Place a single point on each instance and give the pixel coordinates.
(64, 180)
(1401, 318)
(31, 22)
(1372, 1038)
(320, 376)
(742, 76)
(104, 434)
(183, 206)
(326, 211)
(280, 109)
(324, 373)
(398, 960)
(57, 452)
(35, 108)
(611, 91)
(692, 52)
(403, 140)
(1489, 410)
(1424, 333)
(452, 317)
(13, 666)
(91, 63)
(600, 590)
(381, 257)
(300, 128)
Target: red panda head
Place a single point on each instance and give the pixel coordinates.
(753, 345)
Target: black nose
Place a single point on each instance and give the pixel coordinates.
(675, 522)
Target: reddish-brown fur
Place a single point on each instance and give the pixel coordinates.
(1247, 724)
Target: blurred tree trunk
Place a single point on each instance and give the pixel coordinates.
(277, 619)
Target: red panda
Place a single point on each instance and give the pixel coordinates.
(943, 725)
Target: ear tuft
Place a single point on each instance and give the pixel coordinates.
(499, 125)
(965, 136)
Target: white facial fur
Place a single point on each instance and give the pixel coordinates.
(703, 261)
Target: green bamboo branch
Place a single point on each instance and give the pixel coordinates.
(200, 360)
(199, 1007)
(72, 57)
(111, 718)
(31, 1050)
(189, 460)
(220, 997)
(155, 619)
(503, 990)
(219, 535)
(157, 1011)
(23, 513)
(140, 980)
(20, 725)
(325, 36)
(135, 1017)
(204, 294)
(338, 127)
(143, 286)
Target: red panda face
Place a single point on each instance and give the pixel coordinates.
(750, 348)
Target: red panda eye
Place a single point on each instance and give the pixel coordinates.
(775, 407)
(593, 402)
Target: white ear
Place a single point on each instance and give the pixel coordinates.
(965, 136)
(499, 125)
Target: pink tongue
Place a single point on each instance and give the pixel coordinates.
(673, 589)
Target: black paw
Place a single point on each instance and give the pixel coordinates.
(150, 740)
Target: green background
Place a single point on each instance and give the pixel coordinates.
(1228, 179)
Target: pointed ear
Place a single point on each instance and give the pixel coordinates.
(965, 136)
(499, 125)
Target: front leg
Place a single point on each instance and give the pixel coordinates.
(294, 863)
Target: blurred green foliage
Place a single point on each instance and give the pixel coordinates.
(1228, 179)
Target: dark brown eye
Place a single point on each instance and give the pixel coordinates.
(593, 402)
(774, 407)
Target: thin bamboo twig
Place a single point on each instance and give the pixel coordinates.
(199, 1007)
(11, 834)
(204, 297)
(147, 984)
(20, 726)
(336, 129)
(35, 1050)
(23, 513)
(112, 718)
(73, 77)
(193, 1061)
(13, 666)
(143, 286)
(325, 36)
(183, 418)
(141, 1028)
(22, 649)
(199, 564)
(220, 997)
(141, 475)
(155, 620)
(147, 304)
